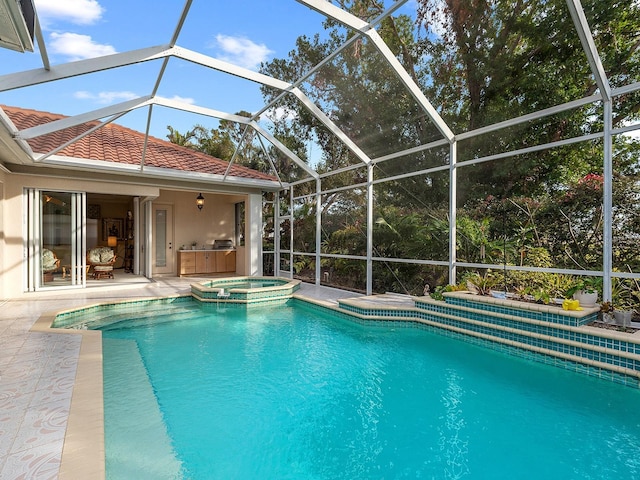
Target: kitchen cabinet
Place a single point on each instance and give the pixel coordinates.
(186, 263)
(205, 261)
(192, 262)
(225, 261)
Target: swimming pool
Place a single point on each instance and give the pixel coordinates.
(291, 392)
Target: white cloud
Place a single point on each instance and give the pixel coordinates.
(77, 47)
(81, 12)
(188, 100)
(280, 113)
(105, 97)
(242, 51)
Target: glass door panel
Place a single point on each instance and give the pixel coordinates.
(55, 239)
(163, 239)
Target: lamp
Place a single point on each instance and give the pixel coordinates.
(200, 201)
(112, 241)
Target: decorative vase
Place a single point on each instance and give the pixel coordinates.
(586, 299)
(623, 317)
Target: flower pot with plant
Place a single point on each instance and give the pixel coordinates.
(625, 297)
(607, 309)
(585, 290)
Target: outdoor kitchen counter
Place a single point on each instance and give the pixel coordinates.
(213, 260)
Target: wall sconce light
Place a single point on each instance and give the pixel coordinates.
(200, 201)
(112, 241)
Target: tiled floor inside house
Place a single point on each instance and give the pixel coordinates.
(38, 370)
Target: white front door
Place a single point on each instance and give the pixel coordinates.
(163, 257)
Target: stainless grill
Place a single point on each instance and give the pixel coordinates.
(223, 244)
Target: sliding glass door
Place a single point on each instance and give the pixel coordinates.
(55, 239)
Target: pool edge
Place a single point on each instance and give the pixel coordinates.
(83, 450)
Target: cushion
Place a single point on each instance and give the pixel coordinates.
(101, 255)
(49, 260)
(103, 268)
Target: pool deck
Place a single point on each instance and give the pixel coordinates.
(48, 407)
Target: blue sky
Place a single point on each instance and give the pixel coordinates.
(242, 32)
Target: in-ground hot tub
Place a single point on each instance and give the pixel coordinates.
(244, 289)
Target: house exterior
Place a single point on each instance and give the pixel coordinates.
(68, 186)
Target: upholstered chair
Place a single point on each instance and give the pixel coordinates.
(50, 263)
(102, 260)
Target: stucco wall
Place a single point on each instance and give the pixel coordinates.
(216, 220)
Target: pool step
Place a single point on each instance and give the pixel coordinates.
(137, 443)
(562, 342)
(574, 344)
(107, 318)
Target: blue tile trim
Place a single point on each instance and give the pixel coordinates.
(532, 314)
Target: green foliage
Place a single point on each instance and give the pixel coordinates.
(437, 294)
(586, 285)
(482, 283)
(625, 294)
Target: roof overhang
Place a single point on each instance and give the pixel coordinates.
(17, 24)
(124, 173)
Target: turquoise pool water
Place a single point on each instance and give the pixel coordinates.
(289, 392)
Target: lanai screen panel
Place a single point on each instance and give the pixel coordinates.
(615, 34)
(412, 218)
(364, 97)
(407, 278)
(352, 177)
(344, 223)
(304, 225)
(436, 157)
(625, 112)
(505, 218)
(508, 59)
(569, 124)
(626, 206)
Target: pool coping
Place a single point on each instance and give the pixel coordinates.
(83, 451)
(219, 294)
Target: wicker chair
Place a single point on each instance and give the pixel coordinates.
(50, 263)
(102, 260)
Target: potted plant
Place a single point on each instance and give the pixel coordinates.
(624, 299)
(607, 309)
(585, 290)
(623, 317)
(194, 244)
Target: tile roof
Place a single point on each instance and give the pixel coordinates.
(118, 144)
